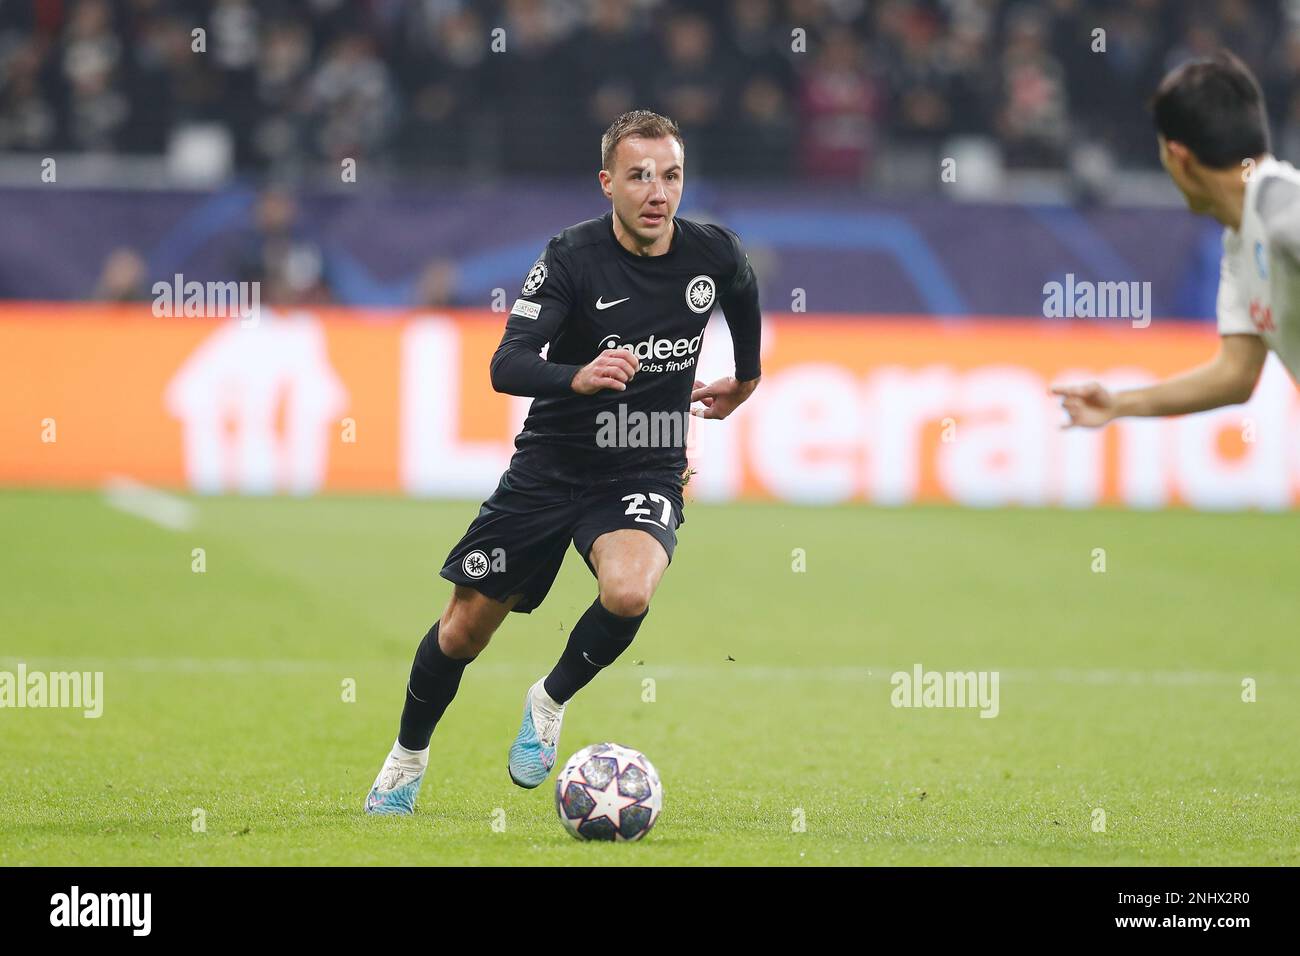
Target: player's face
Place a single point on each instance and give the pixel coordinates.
(645, 186)
(1180, 165)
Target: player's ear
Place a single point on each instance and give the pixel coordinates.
(606, 183)
(1180, 155)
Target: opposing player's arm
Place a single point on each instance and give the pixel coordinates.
(739, 301)
(1228, 379)
(536, 318)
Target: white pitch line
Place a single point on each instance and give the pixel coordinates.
(843, 675)
(165, 510)
(185, 665)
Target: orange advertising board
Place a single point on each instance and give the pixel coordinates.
(883, 409)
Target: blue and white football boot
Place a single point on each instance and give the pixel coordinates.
(396, 788)
(532, 755)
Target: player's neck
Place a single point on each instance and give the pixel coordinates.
(628, 240)
(1227, 193)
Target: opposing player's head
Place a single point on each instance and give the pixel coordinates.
(1209, 115)
(643, 160)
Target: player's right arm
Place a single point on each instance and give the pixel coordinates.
(536, 318)
(1228, 379)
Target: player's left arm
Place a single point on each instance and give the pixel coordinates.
(739, 301)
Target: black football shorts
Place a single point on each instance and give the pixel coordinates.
(518, 541)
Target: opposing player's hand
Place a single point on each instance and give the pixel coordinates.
(722, 397)
(1088, 405)
(612, 368)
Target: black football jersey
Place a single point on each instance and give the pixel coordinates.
(587, 294)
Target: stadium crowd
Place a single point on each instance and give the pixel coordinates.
(420, 85)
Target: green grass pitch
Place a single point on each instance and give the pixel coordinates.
(224, 690)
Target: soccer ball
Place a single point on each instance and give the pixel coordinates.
(608, 792)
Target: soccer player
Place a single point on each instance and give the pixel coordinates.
(1213, 138)
(621, 302)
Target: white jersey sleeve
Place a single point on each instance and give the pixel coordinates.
(1231, 308)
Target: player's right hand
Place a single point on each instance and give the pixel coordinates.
(1088, 405)
(612, 368)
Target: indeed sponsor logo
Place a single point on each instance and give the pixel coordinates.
(657, 348)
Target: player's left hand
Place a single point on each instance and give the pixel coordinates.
(722, 397)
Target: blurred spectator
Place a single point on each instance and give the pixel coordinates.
(839, 106)
(123, 277)
(689, 82)
(964, 57)
(289, 265)
(920, 83)
(442, 62)
(610, 49)
(762, 134)
(759, 42)
(537, 85)
(90, 59)
(438, 285)
(350, 101)
(27, 120)
(276, 135)
(1032, 115)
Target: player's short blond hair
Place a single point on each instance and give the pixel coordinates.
(636, 123)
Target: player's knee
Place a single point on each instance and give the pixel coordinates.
(626, 597)
(463, 634)
(459, 641)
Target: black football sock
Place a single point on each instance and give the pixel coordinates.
(597, 640)
(433, 683)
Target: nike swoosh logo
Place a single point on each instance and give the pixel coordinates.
(601, 304)
(591, 662)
